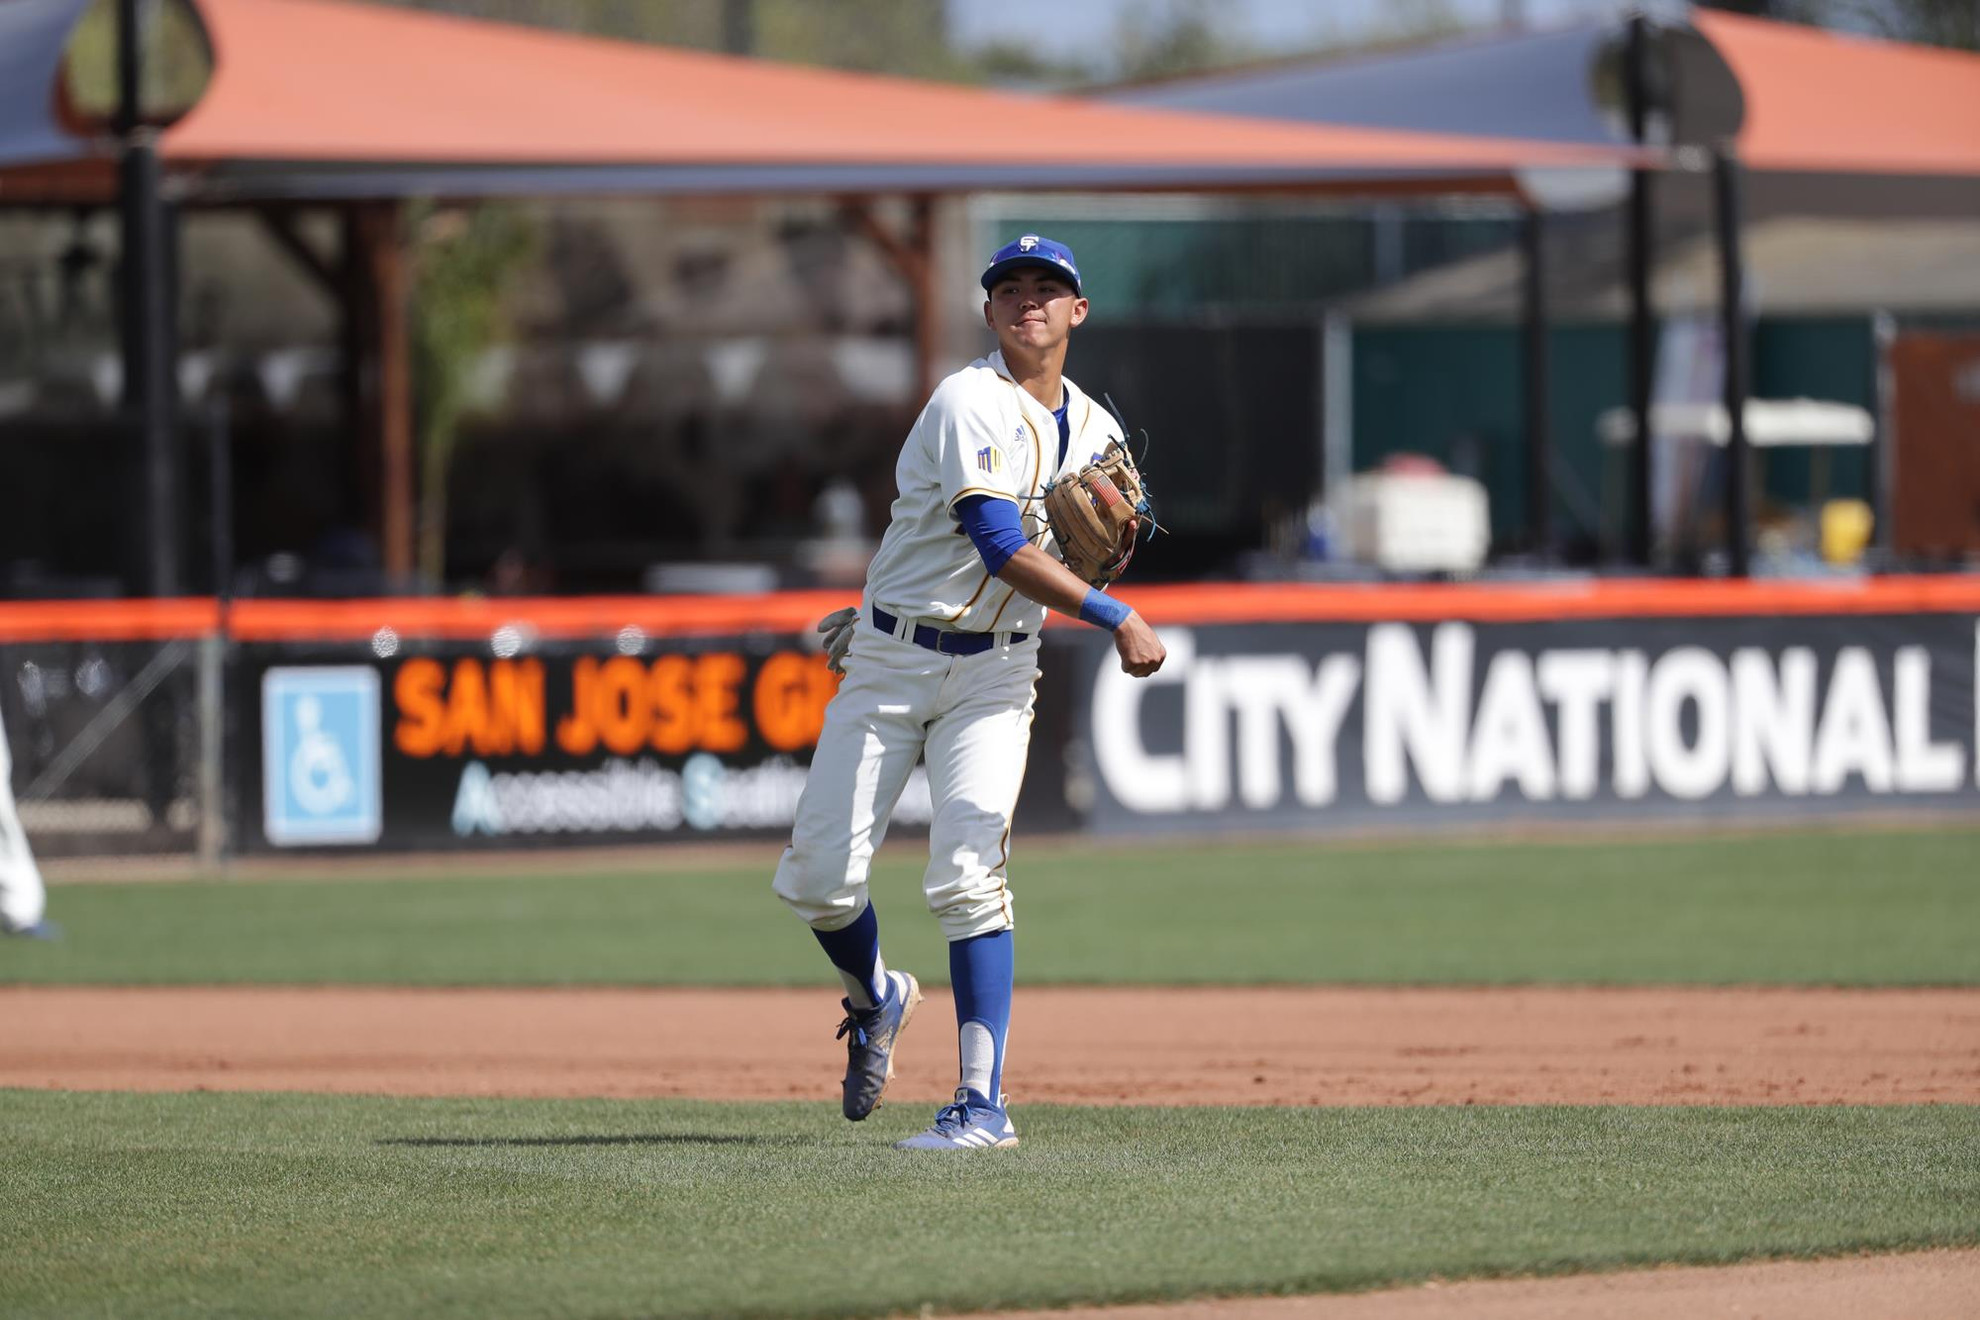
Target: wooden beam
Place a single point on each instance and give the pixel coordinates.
(927, 320)
(905, 254)
(280, 222)
(913, 257)
(355, 334)
(385, 376)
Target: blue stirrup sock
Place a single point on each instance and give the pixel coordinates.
(855, 951)
(982, 970)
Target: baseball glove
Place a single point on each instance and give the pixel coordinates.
(1097, 513)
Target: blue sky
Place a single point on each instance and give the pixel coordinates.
(1089, 26)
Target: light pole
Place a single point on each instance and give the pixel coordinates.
(145, 277)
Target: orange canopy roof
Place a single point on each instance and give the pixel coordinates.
(320, 81)
(1829, 103)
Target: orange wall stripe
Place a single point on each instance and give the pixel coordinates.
(106, 620)
(473, 618)
(1240, 602)
(556, 616)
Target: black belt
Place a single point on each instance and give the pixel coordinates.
(938, 640)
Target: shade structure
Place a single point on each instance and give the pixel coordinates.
(32, 35)
(1829, 103)
(315, 98)
(1799, 100)
(1517, 85)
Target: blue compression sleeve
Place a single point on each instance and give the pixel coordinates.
(1103, 611)
(993, 528)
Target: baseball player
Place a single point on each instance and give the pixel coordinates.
(22, 896)
(941, 664)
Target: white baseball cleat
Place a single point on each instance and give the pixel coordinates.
(970, 1123)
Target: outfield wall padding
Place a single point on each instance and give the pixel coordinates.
(1354, 725)
(421, 723)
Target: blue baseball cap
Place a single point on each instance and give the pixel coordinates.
(1031, 250)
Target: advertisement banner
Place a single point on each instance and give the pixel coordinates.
(1322, 725)
(452, 745)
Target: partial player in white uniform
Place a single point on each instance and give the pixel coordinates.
(23, 899)
(942, 667)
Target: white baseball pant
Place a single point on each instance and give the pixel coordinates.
(22, 898)
(970, 718)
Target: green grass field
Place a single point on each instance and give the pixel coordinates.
(299, 1205)
(244, 1205)
(1885, 908)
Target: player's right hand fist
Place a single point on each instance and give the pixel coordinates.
(1142, 652)
(838, 628)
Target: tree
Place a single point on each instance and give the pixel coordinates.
(462, 263)
(907, 37)
(1954, 23)
(1021, 64)
(1166, 40)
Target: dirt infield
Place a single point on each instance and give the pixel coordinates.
(1927, 1285)
(1107, 1046)
(1300, 1046)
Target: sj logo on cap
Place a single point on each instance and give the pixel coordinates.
(1028, 242)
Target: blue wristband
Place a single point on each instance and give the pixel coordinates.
(1102, 610)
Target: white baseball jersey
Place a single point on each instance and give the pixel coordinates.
(967, 717)
(981, 434)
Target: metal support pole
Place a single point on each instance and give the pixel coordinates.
(130, 75)
(1732, 320)
(1882, 475)
(212, 837)
(220, 498)
(146, 317)
(214, 648)
(1336, 408)
(739, 27)
(1642, 323)
(1535, 387)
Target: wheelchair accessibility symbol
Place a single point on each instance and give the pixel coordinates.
(320, 755)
